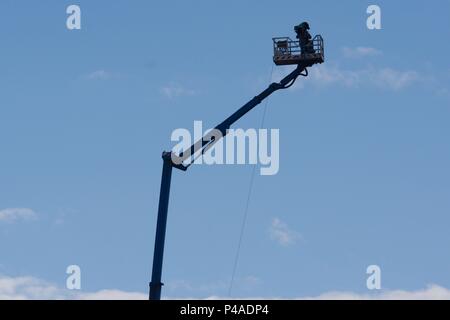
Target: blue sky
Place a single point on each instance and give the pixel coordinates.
(364, 155)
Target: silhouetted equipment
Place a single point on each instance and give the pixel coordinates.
(286, 52)
(306, 50)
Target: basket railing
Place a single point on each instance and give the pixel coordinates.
(285, 46)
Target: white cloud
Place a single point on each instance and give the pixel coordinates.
(333, 75)
(280, 232)
(360, 52)
(175, 90)
(204, 289)
(431, 292)
(16, 214)
(100, 75)
(113, 295)
(30, 288)
(324, 76)
(330, 74)
(395, 79)
(198, 288)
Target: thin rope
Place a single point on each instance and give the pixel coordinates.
(250, 189)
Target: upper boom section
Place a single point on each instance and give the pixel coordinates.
(209, 139)
(304, 53)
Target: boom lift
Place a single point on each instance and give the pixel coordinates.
(286, 52)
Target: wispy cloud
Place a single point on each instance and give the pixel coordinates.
(17, 214)
(385, 78)
(431, 292)
(322, 76)
(30, 288)
(204, 289)
(174, 90)
(198, 288)
(333, 75)
(360, 52)
(326, 76)
(281, 233)
(394, 79)
(112, 295)
(100, 75)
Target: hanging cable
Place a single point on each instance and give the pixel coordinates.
(244, 220)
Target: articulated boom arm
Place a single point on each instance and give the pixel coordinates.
(209, 139)
(171, 160)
